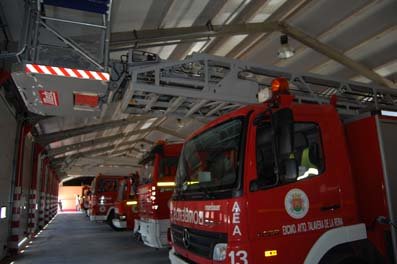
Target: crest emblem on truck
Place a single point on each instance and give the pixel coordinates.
(186, 238)
(296, 203)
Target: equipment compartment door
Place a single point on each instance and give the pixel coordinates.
(387, 131)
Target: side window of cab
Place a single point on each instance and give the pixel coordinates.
(307, 151)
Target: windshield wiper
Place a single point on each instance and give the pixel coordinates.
(204, 190)
(201, 188)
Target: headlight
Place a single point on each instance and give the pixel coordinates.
(220, 252)
(122, 217)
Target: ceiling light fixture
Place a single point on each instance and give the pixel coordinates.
(143, 148)
(285, 50)
(180, 123)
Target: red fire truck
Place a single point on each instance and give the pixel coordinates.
(126, 204)
(287, 182)
(103, 194)
(157, 182)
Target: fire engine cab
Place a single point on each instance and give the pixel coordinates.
(287, 182)
(103, 195)
(126, 204)
(157, 181)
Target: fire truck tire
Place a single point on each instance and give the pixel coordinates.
(350, 260)
(138, 237)
(109, 220)
(343, 258)
(357, 252)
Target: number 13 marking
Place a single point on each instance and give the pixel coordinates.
(241, 255)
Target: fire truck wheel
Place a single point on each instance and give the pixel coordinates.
(138, 237)
(352, 260)
(109, 220)
(343, 259)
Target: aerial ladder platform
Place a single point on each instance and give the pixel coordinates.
(206, 86)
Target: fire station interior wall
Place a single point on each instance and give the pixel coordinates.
(388, 139)
(8, 131)
(26, 182)
(67, 195)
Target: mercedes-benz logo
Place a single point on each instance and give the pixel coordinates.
(186, 238)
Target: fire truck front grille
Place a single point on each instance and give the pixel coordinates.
(199, 242)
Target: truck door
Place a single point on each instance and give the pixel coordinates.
(387, 137)
(286, 218)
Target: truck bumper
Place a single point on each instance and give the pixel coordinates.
(174, 259)
(97, 217)
(153, 232)
(121, 224)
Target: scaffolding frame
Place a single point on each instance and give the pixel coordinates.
(36, 21)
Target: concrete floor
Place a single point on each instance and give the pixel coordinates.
(72, 238)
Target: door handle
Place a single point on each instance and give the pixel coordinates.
(330, 207)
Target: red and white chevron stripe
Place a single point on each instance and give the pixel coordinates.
(67, 72)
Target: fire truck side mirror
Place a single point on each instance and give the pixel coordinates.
(283, 131)
(283, 138)
(291, 171)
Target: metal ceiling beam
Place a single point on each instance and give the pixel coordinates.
(385, 69)
(91, 152)
(289, 8)
(90, 143)
(97, 141)
(46, 139)
(344, 22)
(156, 44)
(210, 11)
(143, 140)
(152, 127)
(334, 54)
(249, 10)
(356, 49)
(115, 153)
(249, 28)
(58, 161)
(180, 33)
(156, 13)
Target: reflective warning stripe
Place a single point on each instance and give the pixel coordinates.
(67, 72)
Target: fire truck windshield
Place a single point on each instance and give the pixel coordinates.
(167, 167)
(209, 162)
(146, 172)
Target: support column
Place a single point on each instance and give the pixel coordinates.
(44, 176)
(16, 204)
(16, 212)
(48, 193)
(47, 198)
(33, 194)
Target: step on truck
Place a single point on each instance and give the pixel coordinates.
(103, 195)
(126, 204)
(288, 182)
(157, 182)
